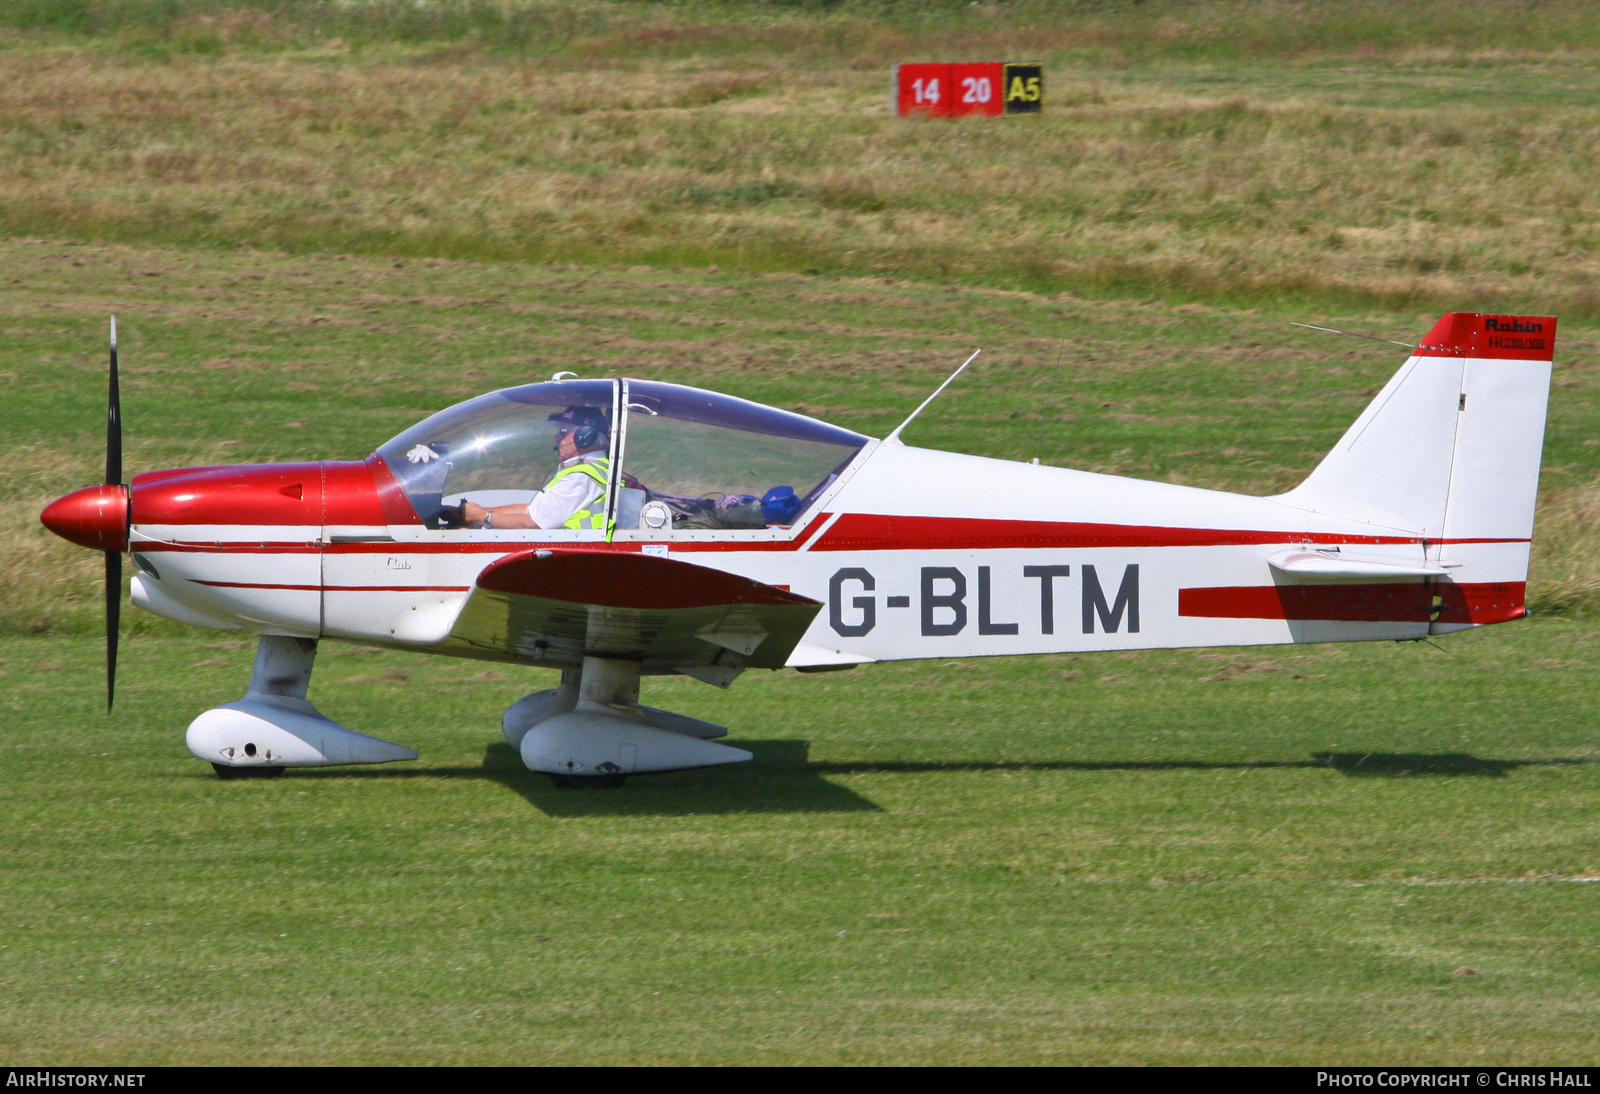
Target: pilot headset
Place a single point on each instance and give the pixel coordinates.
(587, 428)
(587, 435)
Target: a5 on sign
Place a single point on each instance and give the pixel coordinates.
(952, 90)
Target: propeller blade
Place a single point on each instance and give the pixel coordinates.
(114, 417)
(113, 558)
(113, 621)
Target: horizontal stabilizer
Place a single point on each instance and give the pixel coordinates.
(1338, 566)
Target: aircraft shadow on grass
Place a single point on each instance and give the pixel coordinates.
(1348, 763)
(779, 780)
(782, 779)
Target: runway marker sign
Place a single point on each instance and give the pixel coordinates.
(988, 88)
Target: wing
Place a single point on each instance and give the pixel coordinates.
(557, 607)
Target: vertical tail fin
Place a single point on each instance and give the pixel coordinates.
(1449, 451)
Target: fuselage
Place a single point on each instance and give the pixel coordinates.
(912, 553)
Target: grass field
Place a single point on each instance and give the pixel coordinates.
(1322, 855)
(318, 223)
(1379, 153)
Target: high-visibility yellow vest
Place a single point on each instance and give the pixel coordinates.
(592, 516)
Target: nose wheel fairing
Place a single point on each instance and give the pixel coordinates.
(273, 733)
(275, 726)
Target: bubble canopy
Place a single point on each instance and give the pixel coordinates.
(710, 459)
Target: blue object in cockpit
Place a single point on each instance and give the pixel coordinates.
(780, 505)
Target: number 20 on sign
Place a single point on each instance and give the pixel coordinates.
(953, 90)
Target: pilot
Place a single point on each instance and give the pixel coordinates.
(575, 496)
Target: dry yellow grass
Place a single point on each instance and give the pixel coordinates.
(1422, 173)
(44, 579)
(1564, 573)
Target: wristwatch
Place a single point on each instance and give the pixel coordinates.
(488, 520)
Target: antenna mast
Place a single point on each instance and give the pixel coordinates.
(1353, 334)
(894, 438)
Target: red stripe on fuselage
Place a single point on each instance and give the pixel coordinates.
(1472, 602)
(1363, 603)
(868, 532)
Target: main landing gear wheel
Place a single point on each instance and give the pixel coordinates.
(588, 782)
(225, 772)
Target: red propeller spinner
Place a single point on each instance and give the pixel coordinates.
(95, 517)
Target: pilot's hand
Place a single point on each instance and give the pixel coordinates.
(421, 453)
(453, 516)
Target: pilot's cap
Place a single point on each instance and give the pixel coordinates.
(588, 424)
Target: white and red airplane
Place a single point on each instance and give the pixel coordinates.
(740, 536)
